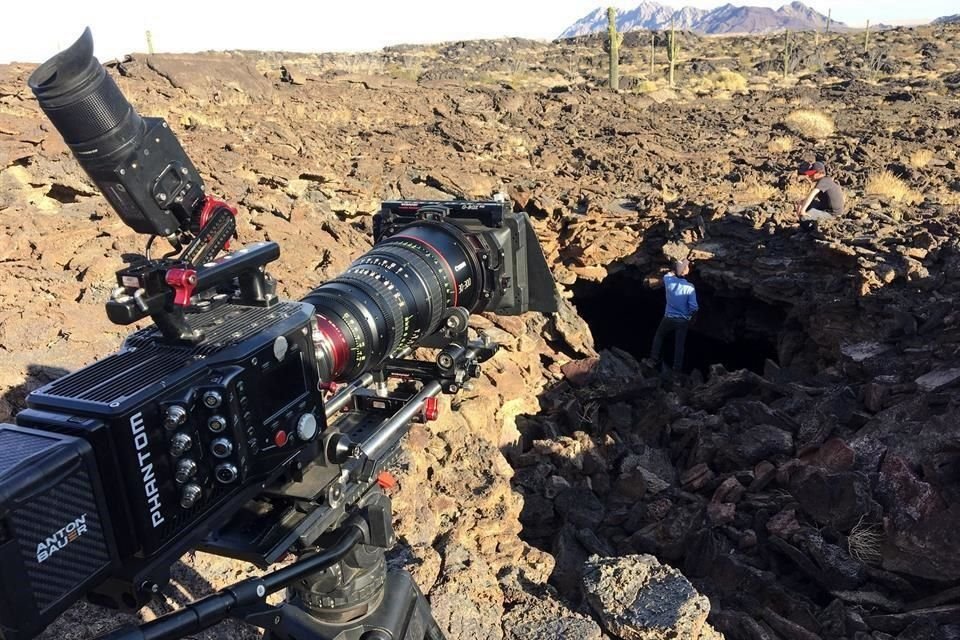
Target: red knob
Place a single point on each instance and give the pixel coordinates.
(280, 438)
(431, 409)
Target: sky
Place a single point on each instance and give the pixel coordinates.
(32, 33)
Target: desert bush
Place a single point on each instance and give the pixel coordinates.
(729, 80)
(646, 86)
(723, 80)
(756, 193)
(921, 158)
(948, 198)
(782, 144)
(887, 185)
(864, 542)
(808, 123)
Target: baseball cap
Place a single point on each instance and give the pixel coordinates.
(810, 168)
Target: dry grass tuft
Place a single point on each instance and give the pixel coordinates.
(948, 198)
(887, 185)
(921, 158)
(864, 542)
(783, 144)
(815, 125)
(720, 81)
(756, 193)
(727, 80)
(646, 86)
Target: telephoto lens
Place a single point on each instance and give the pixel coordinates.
(392, 297)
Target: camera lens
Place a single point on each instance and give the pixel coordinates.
(393, 296)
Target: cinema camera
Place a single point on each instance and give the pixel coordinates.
(219, 426)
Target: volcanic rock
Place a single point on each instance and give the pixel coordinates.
(637, 598)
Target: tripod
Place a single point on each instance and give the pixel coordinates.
(341, 593)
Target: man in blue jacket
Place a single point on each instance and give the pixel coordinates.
(681, 307)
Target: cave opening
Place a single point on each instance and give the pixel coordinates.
(732, 328)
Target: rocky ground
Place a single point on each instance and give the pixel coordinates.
(814, 496)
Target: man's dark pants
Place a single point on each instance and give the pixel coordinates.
(677, 326)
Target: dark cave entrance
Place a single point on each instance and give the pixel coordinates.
(737, 331)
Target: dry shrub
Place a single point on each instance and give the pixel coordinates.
(948, 198)
(815, 125)
(783, 144)
(864, 542)
(887, 185)
(723, 80)
(798, 190)
(646, 86)
(921, 158)
(755, 193)
(727, 80)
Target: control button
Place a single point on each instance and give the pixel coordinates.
(212, 399)
(280, 438)
(248, 417)
(217, 423)
(179, 443)
(191, 493)
(186, 469)
(306, 427)
(175, 416)
(240, 386)
(221, 447)
(244, 402)
(280, 347)
(226, 473)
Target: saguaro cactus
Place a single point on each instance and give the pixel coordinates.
(615, 40)
(866, 38)
(829, 15)
(653, 51)
(787, 53)
(672, 49)
(149, 42)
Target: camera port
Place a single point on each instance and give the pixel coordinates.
(221, 447)
(226, 473)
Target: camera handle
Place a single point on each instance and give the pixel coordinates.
(163, 289)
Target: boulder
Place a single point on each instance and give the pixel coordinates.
(637, 598)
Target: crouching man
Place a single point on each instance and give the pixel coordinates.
(825, 200)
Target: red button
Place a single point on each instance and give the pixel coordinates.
(280, 438)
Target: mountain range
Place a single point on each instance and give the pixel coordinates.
(725, 19)
(955, 18)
